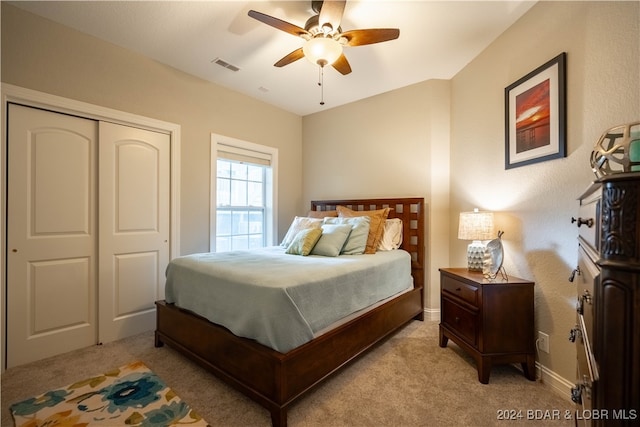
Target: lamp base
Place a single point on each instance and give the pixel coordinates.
(475, 255)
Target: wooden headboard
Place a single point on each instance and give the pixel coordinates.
(409, 210)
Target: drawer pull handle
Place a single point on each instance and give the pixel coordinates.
(585, 297)
(457, 320)
(583, 388)
(576, 394)
(574, 333)
(573, 274)
(580, 221)
(458, 289)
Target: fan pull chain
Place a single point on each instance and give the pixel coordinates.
(321, 84)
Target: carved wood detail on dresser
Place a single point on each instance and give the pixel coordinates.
(607, 333)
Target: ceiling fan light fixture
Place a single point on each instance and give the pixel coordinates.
(322, 50)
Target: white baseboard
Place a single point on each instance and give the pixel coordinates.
(553, 381)
(431, 314)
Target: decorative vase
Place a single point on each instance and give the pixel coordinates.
(617, 151)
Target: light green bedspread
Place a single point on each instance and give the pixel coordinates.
(283, 300)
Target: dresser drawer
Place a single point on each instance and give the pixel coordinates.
(585, 304)
(466, 292)
(462, 321)
(589, 213)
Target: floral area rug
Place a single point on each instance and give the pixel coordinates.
(128, 396)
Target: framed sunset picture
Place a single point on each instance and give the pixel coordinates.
(535, 115)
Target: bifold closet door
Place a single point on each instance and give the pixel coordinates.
(51, 234)
(133, 228)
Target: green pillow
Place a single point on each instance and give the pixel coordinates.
(304, 241)
(357, 241)
(332, 239)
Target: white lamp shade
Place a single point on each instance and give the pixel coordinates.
(476, 226)
(322, 50)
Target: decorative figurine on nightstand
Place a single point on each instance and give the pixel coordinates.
(617, 151)
(493, 258)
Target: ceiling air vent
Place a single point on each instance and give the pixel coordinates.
(225, 64)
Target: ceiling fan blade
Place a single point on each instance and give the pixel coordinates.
(292, 57)
(331, 13)
(342, 65)
(374, 35)
(278, 23)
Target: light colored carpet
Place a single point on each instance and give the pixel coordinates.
(408, 380)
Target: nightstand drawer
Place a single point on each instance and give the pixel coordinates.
(462, 321)
(461, 290)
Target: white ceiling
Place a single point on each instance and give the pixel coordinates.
(437, 39)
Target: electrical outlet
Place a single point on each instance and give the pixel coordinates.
(543, 342)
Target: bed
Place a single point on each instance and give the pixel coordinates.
(276, 379)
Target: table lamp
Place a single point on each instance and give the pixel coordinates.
(476, 226)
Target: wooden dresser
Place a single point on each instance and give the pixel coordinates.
(492, 320)
(607, 333)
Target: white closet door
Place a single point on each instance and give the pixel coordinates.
(134, 201)
(51, 234)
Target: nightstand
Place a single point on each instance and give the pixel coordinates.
(492, 320)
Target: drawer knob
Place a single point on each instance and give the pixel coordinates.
(458, 289)
(580, 221)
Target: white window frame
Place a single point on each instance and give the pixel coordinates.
(225, 143)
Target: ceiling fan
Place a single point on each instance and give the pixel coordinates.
(324, 38)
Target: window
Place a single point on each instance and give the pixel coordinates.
(243, 195)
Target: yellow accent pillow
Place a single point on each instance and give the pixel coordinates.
(304, 241)
(376, 228)
(298, 224)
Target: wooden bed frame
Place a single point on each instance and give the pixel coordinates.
(275, 380)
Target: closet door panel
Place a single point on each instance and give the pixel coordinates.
(135, 282)
(138, 166)
(51, 234)
(134, 228)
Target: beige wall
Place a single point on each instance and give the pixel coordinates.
(535, 203)
(391, 145)
(42, 55)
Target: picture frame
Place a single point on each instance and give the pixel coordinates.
(535, 115)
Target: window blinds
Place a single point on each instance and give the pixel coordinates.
(243, 155)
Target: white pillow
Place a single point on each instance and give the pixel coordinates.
(392, 235)
(298, 224)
